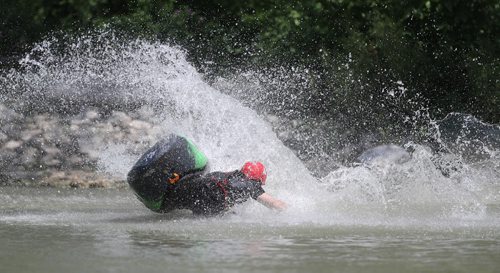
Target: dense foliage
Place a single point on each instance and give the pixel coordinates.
(446, 51)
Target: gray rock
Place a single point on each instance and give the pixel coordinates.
(120, 119)
(51, 151)
(140, 125)
(384, 154)
(27, 135)
(52, 162)
(74, 128)
(79, 122)
(103, 130)
(12, 145)
(92, 115)
(75, 161)
(42, 121)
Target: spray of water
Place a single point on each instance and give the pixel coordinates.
(103, 71)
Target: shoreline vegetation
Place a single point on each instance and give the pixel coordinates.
(446, 52)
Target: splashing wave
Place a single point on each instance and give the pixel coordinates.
(107, 72)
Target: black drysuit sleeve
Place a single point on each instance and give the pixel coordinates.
(240, 188)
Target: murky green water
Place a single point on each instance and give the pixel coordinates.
(50, 230)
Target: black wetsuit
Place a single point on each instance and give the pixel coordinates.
(211, 193)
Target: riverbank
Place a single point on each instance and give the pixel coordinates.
(51, 149)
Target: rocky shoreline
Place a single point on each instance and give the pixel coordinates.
(50, 149)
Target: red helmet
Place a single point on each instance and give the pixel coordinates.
(255, 171)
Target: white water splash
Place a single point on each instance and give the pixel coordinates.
(102, 69)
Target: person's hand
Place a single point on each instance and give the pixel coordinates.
(280, 205)
(271, 202)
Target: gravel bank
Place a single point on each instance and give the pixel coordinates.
(63, 151)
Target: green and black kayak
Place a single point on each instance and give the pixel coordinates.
(162, 166)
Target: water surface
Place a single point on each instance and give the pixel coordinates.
(54, 230)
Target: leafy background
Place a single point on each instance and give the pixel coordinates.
(444, 52)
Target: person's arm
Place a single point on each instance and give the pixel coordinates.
(271, 202)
